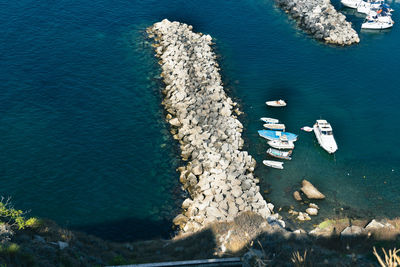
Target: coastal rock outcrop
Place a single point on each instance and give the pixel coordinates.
(219, 175)
(310, 191)
(320, 19)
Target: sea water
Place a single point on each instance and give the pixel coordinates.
(82, 134)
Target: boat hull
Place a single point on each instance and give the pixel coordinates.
(351, 3)
(279, 154)
(273, 126)
(376, 26)
(276, 135)
(273, 164)
(269, 120)
(276, 103)
(279, 145)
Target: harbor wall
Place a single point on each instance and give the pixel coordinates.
(218, 175)
(320, 19)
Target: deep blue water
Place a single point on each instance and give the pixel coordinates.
(82, 135)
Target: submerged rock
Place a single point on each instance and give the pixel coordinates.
(312, 211)
(296, 196)
(303, 217)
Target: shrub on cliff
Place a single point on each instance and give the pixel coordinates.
(13, 217)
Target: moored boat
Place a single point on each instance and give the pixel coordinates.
(374, 24)
(279, 154)
(274, 126)
(281, 143)
(273, 164)
(351, 3)
(324, 134)
(276, 103)
(378, 22)
(269, 120)
(275, 135)
(371, 6)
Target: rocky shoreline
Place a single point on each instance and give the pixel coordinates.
(218, 175)
(320, 19)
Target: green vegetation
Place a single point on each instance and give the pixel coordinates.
(14, 217)
(118, 260)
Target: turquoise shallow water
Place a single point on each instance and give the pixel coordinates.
(83, 139)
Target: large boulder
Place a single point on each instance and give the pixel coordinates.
(303, 216)
(352, 231)
(374, 225)
(312, 211)
(197, 170)
(310, 191)
(175, 122)
(180, 220)
(187, 203)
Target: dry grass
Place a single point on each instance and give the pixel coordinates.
(391, 259)
(396, 223)
(299, 260)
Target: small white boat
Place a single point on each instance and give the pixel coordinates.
(274, 126)
(269, 120)
(273, 164)
(281, 143)
(351, 3)
(307, 129)
(276, 103)
(324, 134)
(279, 154)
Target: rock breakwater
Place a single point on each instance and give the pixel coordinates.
(218, 176)
(321, 20)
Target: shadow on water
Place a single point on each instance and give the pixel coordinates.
(129, 229)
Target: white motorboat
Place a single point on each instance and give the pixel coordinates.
(369, 7)
(269, 120)
(373, 9)
(307, 129)
(275, 126)
(276, 103)
(281, 143)
(377, 23)
(324, 134)
(273, 164)
(351, 3)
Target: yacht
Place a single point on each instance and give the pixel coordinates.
(370, 6)
(377, 23)
(324, 134)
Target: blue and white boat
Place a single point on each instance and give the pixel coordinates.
(276, 135)
(279, 154)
